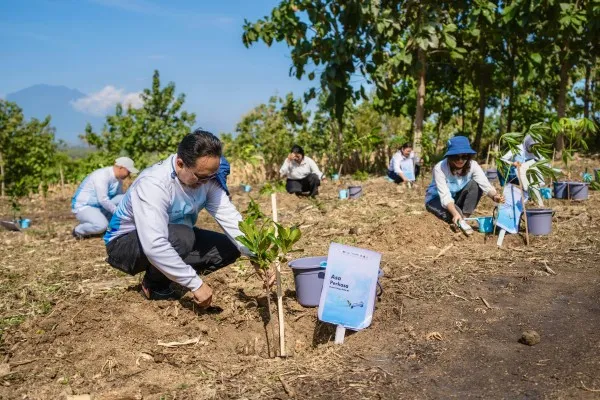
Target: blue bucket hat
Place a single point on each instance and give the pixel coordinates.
(459, 145)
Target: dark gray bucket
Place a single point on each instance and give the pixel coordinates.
(354, 192)
(492, 174)
(578, 190)
(560, 190)
(539, 221)
(308, 279)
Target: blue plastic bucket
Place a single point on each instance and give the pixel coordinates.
(578, 190)
(491, 174)
(539, 221)
(24, 223)
(335, 177)
(560, 190)
(343, 194)
(486, 224)
(546, 193)
(354, 192)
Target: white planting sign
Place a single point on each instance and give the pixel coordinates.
(348, 295)
(408, 169)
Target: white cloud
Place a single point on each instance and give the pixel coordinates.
(102, 102)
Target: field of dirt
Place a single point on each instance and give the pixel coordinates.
(447, 325)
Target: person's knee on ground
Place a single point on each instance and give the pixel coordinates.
(395, 177)
(212, 251)
(293, 187)
(182, 239)
(469, 198)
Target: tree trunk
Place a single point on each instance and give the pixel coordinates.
(2, 190)
(501, 122)
(462, 105)
(586, 91)
(511, 91)
(440, 124)
(481, 119)
(420, 110)
(561, 106)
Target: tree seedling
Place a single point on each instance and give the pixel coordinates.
(269, 242)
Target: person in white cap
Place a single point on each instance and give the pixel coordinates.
(97, 197)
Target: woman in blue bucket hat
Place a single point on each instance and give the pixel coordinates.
(458, 184)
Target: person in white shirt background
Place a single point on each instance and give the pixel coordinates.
(395, 169)
(97, 197)
(302, 173)
(457, 185)
(517, 166)
(153, 229)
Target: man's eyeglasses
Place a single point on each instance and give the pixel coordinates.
(460, 157)
(202, 179)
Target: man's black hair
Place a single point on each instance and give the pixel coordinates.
(407, 145)
(298, 150)
(199, 143)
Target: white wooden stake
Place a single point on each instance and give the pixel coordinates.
(340, 333)
(279, 289)
(500, 237)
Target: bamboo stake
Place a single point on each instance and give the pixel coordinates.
(524, 208)
(487, 158)
(279, 289)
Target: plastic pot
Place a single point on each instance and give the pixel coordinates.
(309, 275)
(546, 193)
(560, 190)
(354, 192)
(335, 177)
(343, 194)
(578, 190)
(308, 279)
(491, 174)
(539, 221)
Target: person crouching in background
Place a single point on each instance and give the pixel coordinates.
(395, 168)
(457, 185)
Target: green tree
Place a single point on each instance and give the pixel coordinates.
(267, 131)
(11, 117)
(146, 134)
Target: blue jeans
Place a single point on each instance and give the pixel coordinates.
(94, 221)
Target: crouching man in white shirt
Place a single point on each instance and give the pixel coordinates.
(153, 228)
(302, 173)
(97, 197)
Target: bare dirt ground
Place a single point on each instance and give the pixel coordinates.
(445, 327)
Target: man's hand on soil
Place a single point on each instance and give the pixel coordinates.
(203, 295)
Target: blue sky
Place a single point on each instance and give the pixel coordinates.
(94, 44)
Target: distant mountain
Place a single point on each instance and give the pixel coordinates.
(38, 101)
